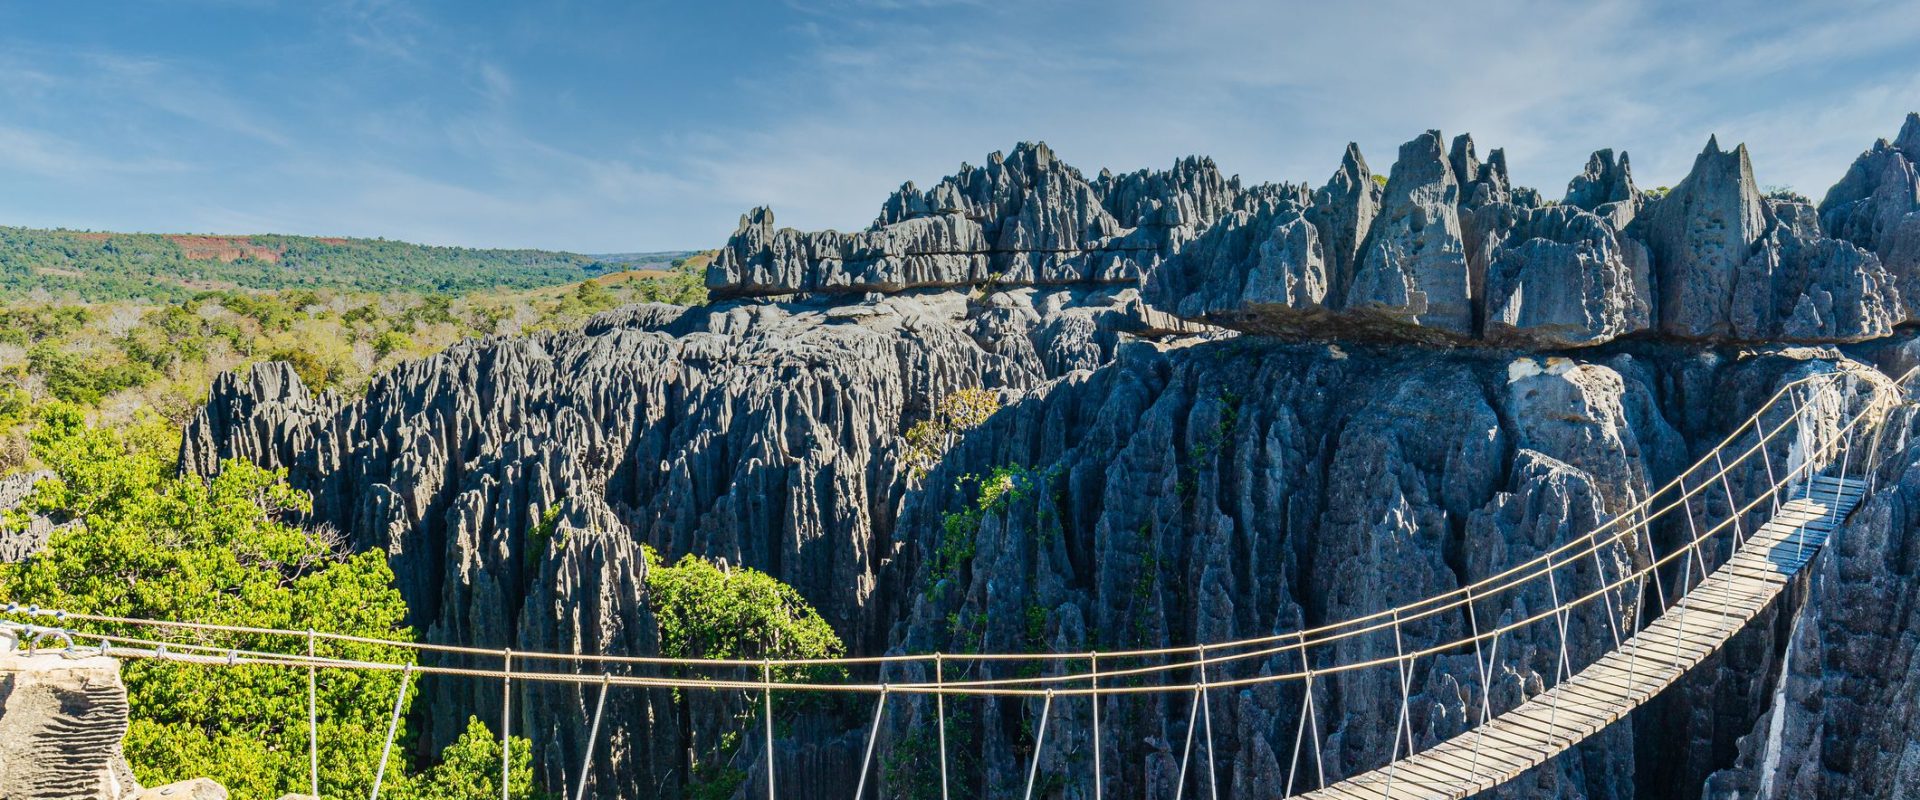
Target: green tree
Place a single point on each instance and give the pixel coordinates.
(149, 543)
(469, 769)
(957, 413)
(705, 611)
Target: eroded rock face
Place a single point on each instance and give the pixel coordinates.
(1413, 266)
(1447, 251)
(1204, 489)
(1802, 286)
(1559, 276)
(1701, 234)
(1606, 188)
(768, 435)
(61, 722)
(1840, 721)
(18, 543)
(1024, 219)
(1876, 205)
(1241, 489)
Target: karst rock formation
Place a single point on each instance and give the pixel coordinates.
(1235, 410)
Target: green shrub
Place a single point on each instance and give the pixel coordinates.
(707, 612)
(153, 544)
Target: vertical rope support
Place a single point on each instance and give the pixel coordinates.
(1206, 711)
(1653, 569)
(1300, 729)
(1563, 666)
(1633, 650)
(1400, 672)
(866, 763)
(1767, 460)
(766, 679)
(1733, 508)
(1093, 666)
(1845, 460)
(1479, 666)
(1693, 534)
(1186, 753)
(313, 720)
(593, 735)
(1313, 716)
(506, 720)
(1600, 579)
(393, 728)
(1039, 741)
(940, 718)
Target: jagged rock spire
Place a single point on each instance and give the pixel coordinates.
(1605, 180)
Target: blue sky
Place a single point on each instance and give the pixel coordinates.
(604, 126)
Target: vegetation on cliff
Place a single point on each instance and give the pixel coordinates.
(121, 357)
(138, 540)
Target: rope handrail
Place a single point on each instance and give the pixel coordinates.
(1414, 610)
(229, 656)
(214, 656)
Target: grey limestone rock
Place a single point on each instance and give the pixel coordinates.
(1802, 286)
(1238, 489)
(1701, 234)
(1413, 267)
(766, 434)
(1025, 218)
(1606, 188)
(61, 722)
(16, 544)
(1876, 205)
(1557, 276)
(1839, 721)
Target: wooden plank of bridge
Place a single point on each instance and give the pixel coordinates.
(1616, 683)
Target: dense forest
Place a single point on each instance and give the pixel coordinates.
(122, 266)
(123, 359)
(97, 377)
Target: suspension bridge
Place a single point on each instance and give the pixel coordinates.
(1814, 449)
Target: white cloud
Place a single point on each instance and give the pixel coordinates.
(848, 98)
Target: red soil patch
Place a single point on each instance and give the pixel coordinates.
(225, 249)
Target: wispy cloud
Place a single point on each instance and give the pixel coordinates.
(598, 126)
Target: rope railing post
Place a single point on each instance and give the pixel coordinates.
(1206, 711)
(1039, 741)
(866, 762)
(1309, 725)
(1693, 533)
(1313, 722)
(1845, 461)
(313, 720)
(766, 677)
(1653, 555)
(1486, 690)
(1767, 460)
(1093, 664)
(1403, 724)
(1186, 752)
(593, 736)
(1733, 506)
(1563, 666)
(393, 728)
(940, 717)
(1606, 594)
(506, 722)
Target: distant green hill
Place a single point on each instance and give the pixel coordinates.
(116, 266)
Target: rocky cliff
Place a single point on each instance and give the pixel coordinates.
(1434, 377)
